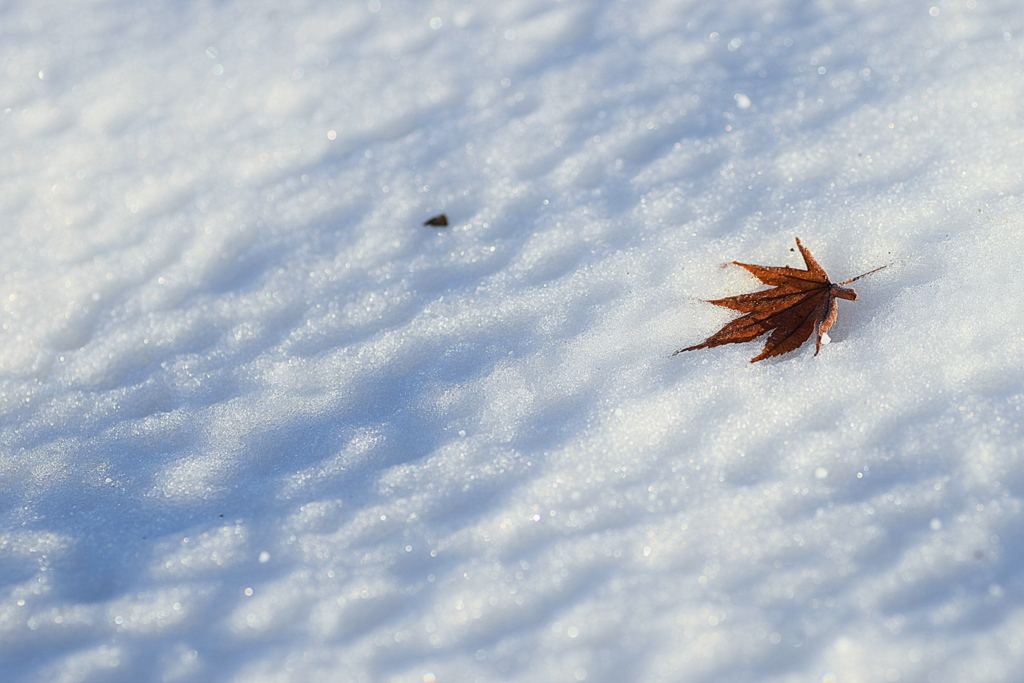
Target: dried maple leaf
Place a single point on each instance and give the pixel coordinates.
(802, 301)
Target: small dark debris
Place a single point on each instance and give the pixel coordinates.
(439, 221)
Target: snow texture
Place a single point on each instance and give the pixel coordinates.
(259, 423)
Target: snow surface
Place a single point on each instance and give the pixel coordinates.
(260, 424)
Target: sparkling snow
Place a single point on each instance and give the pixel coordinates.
(260, 424)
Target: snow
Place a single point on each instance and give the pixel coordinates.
(260, 424)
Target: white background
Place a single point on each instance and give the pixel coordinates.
(260, 424)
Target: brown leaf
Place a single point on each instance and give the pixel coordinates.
(801, 302)
(438, 221)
